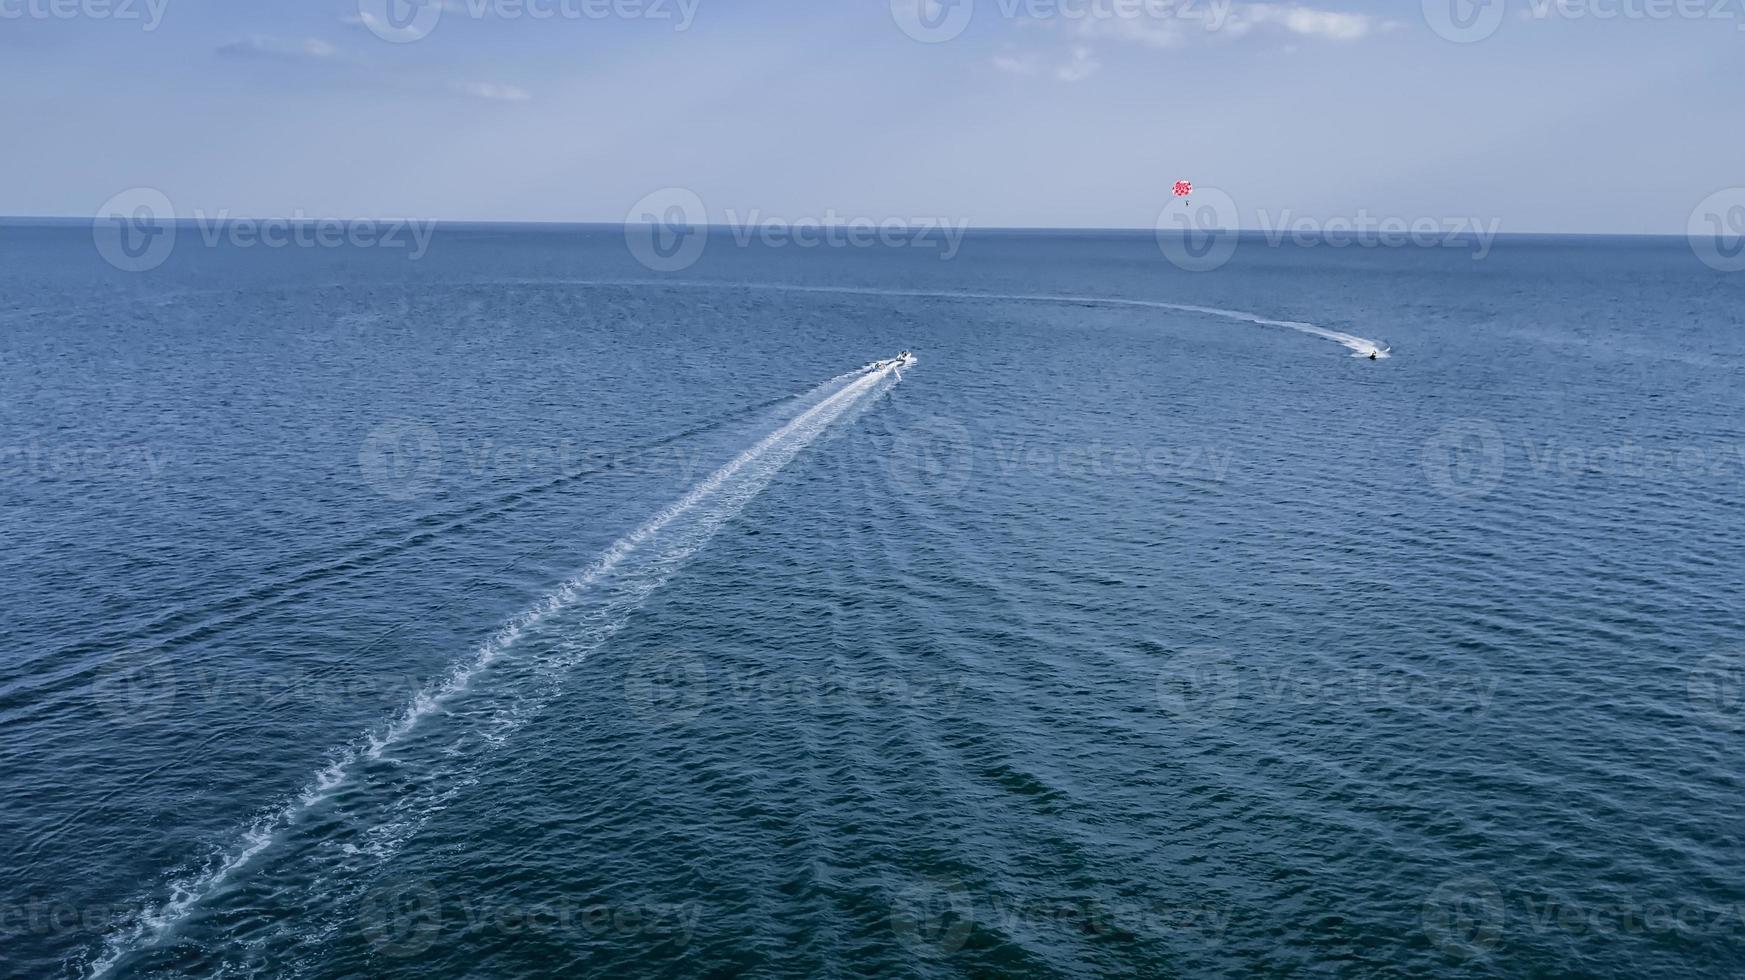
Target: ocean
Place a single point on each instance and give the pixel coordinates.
(517, 607)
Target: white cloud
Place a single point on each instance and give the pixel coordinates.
(1330, 25)
(1151, 32)
(493, 91)
(1235, 20)
(263, 46)
(1081, 67)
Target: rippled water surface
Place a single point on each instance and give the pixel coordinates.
(518, 611)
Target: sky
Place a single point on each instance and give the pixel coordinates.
(1585, 116)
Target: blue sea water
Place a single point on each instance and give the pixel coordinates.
(518, 610)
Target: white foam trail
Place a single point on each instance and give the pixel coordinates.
(719, 496)
(1361, 346)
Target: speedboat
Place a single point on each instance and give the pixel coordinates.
(903, 359)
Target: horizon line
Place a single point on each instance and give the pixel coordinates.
(19, 220)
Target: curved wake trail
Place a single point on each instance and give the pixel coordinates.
(596, 603)
(1361, 346)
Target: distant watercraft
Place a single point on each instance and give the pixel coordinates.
(902, 360)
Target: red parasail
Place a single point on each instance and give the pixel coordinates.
(1183, 188)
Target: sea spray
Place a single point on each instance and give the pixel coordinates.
(1362, 346)
(689, 523)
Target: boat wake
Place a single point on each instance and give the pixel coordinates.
(486, 697)
(1360, 346)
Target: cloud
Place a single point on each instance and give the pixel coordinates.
(1234, 20)
(1329, 25)
(279, 49)
(493, 91)
(361, 74)
(1081, 67)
